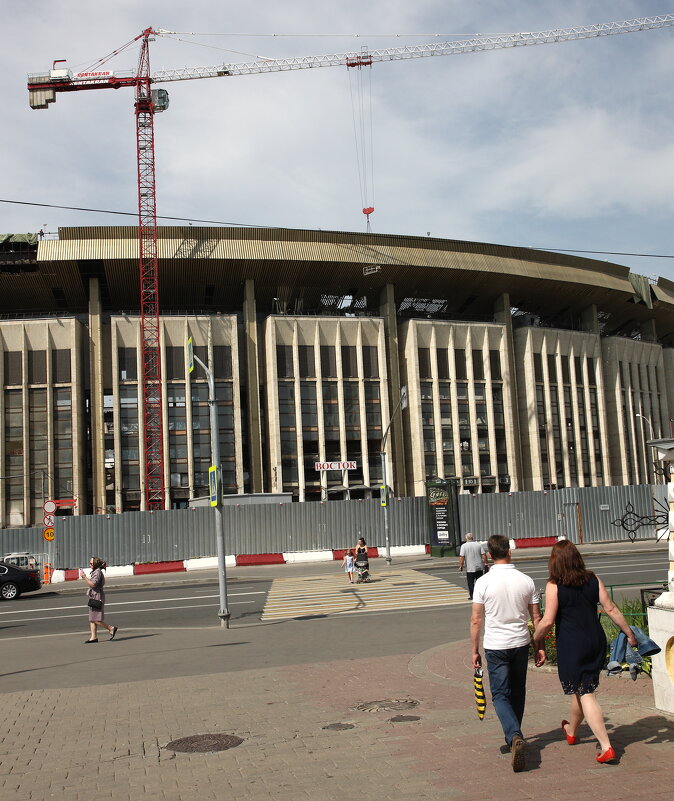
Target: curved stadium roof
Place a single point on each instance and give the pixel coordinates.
(204, 270)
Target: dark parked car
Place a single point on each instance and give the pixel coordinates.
(15, 580)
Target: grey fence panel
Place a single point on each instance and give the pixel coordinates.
(287, 528)
(587, 513)
(603, 507)
(134, 537)
(23, 539)
(137, 537)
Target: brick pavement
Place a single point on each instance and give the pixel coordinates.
(88, 744)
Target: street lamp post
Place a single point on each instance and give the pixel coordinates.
(402, 404)
(223, 612)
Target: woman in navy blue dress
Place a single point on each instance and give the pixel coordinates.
(571, 598)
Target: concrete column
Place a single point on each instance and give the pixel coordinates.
(252, 387)
(387, 309)
(96, 397)
(502, 315)
(79, 431)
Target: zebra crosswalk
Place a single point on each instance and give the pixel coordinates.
(389, 589)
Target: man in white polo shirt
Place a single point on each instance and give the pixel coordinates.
(505, 599)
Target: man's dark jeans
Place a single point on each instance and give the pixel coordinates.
(472, 578)
(508, 684)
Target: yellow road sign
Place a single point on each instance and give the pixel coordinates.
(48, 533)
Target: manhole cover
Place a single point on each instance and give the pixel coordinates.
(396, 705)
(404, 718)
(203, 743)
(339, 726)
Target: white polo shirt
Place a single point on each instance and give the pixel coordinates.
(505, 593)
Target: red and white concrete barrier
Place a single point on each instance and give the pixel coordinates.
(240, 560)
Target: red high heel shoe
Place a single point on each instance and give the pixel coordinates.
(607, 756)
(570, 738)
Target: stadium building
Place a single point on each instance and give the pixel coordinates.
(523, 369)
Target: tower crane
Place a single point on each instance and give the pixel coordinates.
(42, 89)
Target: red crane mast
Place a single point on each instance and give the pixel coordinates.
(149, 282)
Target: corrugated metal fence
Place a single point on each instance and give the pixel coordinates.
(588, 514)
(186, 534)
(584, 515)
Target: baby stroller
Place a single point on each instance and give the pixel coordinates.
(362, 568)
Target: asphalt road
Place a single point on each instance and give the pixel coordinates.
(187, 605)
(172, 630)
(642, 569)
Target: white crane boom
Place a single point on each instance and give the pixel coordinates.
(359, 59)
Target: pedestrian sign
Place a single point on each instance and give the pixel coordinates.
(190, 355)
(213, 485)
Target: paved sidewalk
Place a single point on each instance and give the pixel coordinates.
(87, 745)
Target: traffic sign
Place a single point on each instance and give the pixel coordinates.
(213, 485)
(382, 495)
(49, 507)
(48, 533)
(190, 354)
(48, 520)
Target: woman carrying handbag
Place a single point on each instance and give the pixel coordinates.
(96, 599)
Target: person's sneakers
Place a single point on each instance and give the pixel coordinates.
(517, 752)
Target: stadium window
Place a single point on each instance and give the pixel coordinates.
(127, 362)
(370, 362)
(538, 367)
(478, 365)
(552, 368)
(13, 368)
(306, 361)
(578, 370)
(349, 361)
(37, 367)
(328, 361)
(222, 361)
(284, 361)
(460, 364)
(591, 375)
(425, 363)
(495, 365)
(175, 363)
(443, 363)
(60, 366)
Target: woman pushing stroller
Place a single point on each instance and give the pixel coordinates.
(361, 562)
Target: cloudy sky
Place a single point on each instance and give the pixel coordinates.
(566, 146)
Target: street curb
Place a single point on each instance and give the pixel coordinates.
(235, 560)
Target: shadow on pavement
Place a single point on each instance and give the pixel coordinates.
(657, 728)
(227, 644)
